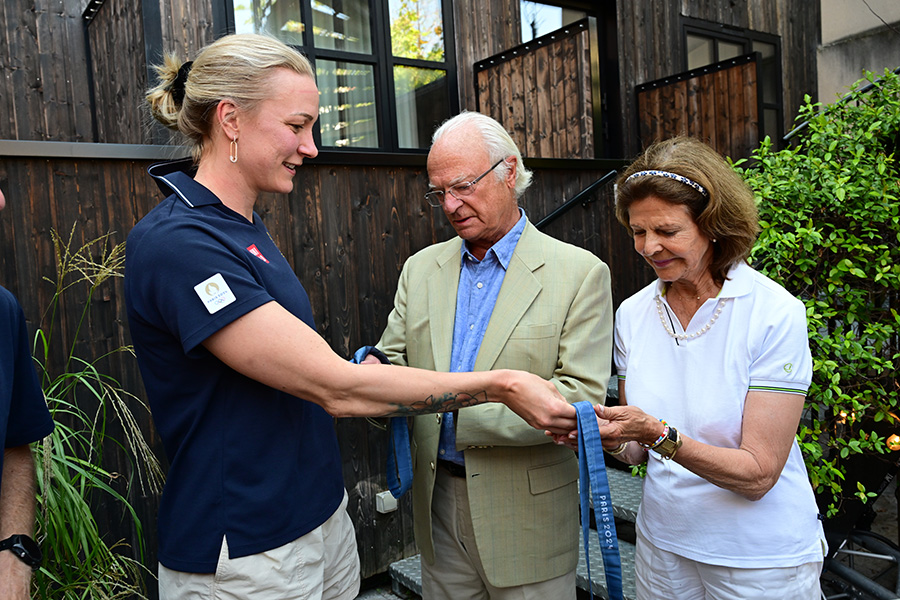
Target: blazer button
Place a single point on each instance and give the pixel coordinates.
(432, 466)
(438, 417)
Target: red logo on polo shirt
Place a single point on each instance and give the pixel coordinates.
(255, 252)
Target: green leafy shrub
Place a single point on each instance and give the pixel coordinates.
(831, 235)
(79, 562)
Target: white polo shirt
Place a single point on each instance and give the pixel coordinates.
(698, 385)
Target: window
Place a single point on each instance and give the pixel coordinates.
(706, 44)
(538, 18)
(384, 68)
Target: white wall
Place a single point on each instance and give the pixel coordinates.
(853, 40)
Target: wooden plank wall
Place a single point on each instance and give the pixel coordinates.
(186, 26)
(45, 93)
(119, 72)
(651, 46)
(481, 29)
(541, 93)
(119, 62)
(58, 88)
(717, 104)
(347, 230)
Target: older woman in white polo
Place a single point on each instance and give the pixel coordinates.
(713, 363)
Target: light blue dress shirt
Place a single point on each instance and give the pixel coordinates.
(479, 286)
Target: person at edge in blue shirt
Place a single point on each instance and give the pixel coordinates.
(241, 387)
(24, 418)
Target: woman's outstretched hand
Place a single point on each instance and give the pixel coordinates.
(540, 404)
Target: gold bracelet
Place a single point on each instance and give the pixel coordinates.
(618, 449)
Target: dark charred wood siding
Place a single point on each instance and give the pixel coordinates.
(651, 47)
(541, 93)
(717, 104)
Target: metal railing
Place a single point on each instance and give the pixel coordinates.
(584, 197)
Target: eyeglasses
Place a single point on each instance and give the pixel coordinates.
(460, 191)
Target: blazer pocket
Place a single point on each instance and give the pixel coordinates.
(546, 478)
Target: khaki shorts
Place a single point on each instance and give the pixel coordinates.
(321, 565)
(661, 575)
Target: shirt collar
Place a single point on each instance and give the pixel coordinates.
(504, 248)
(739, 282)
(177, 177)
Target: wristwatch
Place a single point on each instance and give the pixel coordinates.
(670, 445)
(25, 548)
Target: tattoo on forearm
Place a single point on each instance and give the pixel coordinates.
(443, 403)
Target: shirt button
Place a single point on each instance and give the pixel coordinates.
(471, 327)
(441, 451)
(479, 285)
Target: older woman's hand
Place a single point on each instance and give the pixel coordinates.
(570, 439)
(621, 424)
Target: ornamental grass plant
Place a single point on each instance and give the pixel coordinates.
(86, 405)
(831, 235)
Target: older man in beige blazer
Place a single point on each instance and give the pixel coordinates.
(497, 516)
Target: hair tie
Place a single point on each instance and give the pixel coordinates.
(675, 176)
(180, 79)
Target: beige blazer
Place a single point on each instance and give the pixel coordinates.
(554, 318)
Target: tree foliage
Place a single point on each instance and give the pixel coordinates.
(831, 235)
(417, 32)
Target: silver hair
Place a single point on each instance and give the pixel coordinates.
(497, 141)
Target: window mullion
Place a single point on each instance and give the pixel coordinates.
(387, 114)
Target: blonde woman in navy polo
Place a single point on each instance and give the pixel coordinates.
(242, 389)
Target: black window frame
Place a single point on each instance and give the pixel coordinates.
(382, 61)
(746, 37)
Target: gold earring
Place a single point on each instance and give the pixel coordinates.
(232, 155)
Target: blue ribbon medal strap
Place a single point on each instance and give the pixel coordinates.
(592, 470)
(399, 459)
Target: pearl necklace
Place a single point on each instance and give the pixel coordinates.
(685, 336)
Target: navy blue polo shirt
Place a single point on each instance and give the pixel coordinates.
(245, 460)
(24, 417)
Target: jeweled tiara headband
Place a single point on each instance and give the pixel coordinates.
(674, 176)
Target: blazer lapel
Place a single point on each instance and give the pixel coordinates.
(442, 288)
(520, 288)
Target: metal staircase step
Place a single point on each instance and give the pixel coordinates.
(625, 491)
(598, 574)
(406, 576)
